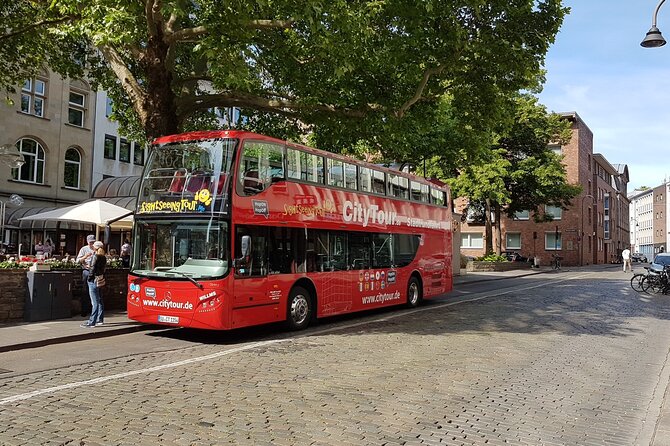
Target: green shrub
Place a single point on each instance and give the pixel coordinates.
(14, 265)
(492, 258)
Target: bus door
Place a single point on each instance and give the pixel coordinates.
(251, 273)
(334, 283)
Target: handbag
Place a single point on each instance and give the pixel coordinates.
(100, 281)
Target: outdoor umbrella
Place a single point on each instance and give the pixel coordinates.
(97, 212)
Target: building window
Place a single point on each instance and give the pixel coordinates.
(554, 211)
(33, 155)
(33, 94)
(76, 107)
(72, 169)
(138, 154)
(556, 148)
(108, 107)
(472, 240)
(110, 147)
(124, 151)
(522, 215)
(552, 241)
(513, 240)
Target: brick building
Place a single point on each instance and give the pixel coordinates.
(595, 229)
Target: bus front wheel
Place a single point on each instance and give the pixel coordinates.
(413, 292)
(300, 309)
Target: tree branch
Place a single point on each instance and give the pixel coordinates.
(152, 12)
(186, 35)
(169, 26)
(128, 81)
(418, 93)
(188, 105)
(8, 35)
(271, 24)
(190, 34)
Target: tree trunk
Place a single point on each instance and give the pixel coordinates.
(489, 230)
(159, 110)
(498, 230)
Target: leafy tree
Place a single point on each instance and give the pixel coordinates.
(342, 66)
(520, 172)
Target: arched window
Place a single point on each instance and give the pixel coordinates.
(33, 155)
(72, 169)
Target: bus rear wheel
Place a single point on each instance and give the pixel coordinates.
(413, 292)
(300, 309)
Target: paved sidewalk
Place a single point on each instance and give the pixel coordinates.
(20, 335)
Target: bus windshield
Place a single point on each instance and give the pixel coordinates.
(187, 177)
(192, 249)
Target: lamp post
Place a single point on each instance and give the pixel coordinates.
(654, 39)
(637, 225)
(14, 199)
(581, 246)
(10, 156)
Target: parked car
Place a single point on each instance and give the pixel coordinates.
(638, 257)
(662, 259)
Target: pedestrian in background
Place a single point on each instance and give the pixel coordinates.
(126, 248)
(39, 248)
(97, 269)
(625, 255)
(84, 258)
(48, 249)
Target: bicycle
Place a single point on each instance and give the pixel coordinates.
(656, 281)
(636, 281)
(556, 261)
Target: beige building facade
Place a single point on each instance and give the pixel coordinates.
(51, 123)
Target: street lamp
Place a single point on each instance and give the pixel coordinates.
(635, 244)
(14, 199)
(581, 247)
(654, 39)
(10, 156)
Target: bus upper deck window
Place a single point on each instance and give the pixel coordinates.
(261, 165)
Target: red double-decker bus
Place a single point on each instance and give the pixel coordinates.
(234, 229)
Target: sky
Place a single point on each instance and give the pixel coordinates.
(597, 68)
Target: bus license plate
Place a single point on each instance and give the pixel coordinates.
(168, 319)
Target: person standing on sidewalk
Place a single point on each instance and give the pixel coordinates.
(84, 258)
(97, 269)
(625, 255)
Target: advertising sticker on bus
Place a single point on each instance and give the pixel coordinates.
(199, 203)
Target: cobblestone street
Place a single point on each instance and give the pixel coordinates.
(560, 360)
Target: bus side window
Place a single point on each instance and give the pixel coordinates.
(261, 165)
(378, 182)
(257, 265)
(359, 250)
(252, 184)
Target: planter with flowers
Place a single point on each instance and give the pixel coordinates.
(14, 283)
